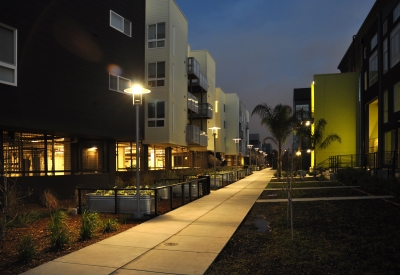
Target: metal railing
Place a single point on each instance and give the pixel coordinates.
(378, 162)
(165, 198)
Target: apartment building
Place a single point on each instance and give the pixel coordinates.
(374, 55)
(184, 103)
(63, 68)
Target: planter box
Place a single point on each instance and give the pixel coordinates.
(125, 204)
(177, 190)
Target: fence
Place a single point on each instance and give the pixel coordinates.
(385, 163)
(154, 201)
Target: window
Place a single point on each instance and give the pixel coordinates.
(118, 83)
(156, 114)
(384, 27)
(374, 41)
(373, 68)
(156, 74)
(396, 97)
(385, 106)
(385, 56)
(8, 55)
(395, 46)
(120, 23)
(156, 35)
(396, 12)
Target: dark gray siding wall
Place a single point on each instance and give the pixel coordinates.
(65, 50)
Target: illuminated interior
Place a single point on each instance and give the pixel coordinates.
(373, 127)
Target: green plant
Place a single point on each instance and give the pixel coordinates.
(90, 221)
(110, 225)
(59, 235)
(23, 219)
(26, 249)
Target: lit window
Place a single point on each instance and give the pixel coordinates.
(395, 46)
(8, 55)
(156, 35)
(118, 83)
(385, 106)
(373, 68)
(156, 74)
(120, 23)
(156, 114)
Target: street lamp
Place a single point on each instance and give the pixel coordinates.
(250, 146)
(256, 155)
(137, 92)
(214, 132)
(237, 149)
(261, 154)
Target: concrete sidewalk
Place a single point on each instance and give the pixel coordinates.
(183, 241)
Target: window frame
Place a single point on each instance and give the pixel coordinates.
(124, 21)
(155, 119)
(118, 83)
(7, 65)
(396, 97)
(396, 12)
(156, 40)
(373, 64)
(395, 56)
(156, 79)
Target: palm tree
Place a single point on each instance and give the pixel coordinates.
(318, 139)
(280, 122)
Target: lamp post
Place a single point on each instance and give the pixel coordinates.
(256, 156)
(214, 132)
(261, 155)
(137, 92)
(237, 149)
(250, 146)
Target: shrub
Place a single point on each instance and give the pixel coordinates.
(59, 235)
(89, 224)
(109, 225)
(26, 249)
(49, 200)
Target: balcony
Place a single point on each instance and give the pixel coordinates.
(205, 111)
(193, 103)
(194, 136)
(197, 82)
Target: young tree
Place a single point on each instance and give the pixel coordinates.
(318, 139)
(280, 122)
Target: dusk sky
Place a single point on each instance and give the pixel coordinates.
(263, 49)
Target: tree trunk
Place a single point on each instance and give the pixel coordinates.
(279, 160)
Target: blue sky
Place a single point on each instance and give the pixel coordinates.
(263, 49)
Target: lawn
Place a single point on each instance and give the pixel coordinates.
(330, 237)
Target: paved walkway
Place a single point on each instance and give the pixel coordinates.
(183, 241)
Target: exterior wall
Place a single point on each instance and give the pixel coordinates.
(221, 120)
(66, 52)
(336, 99)
(232, 124)
(63, 87)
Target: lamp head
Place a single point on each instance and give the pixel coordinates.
(137, 92)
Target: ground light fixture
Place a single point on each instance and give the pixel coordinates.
(250, 146)
(236, 140)
(137, 92)
(214, 130)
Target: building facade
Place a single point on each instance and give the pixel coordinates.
(375, 55)
(62, 75)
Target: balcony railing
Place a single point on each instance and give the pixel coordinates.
(205, 111)
(194, 136)
(193, 103)
(196, 77)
